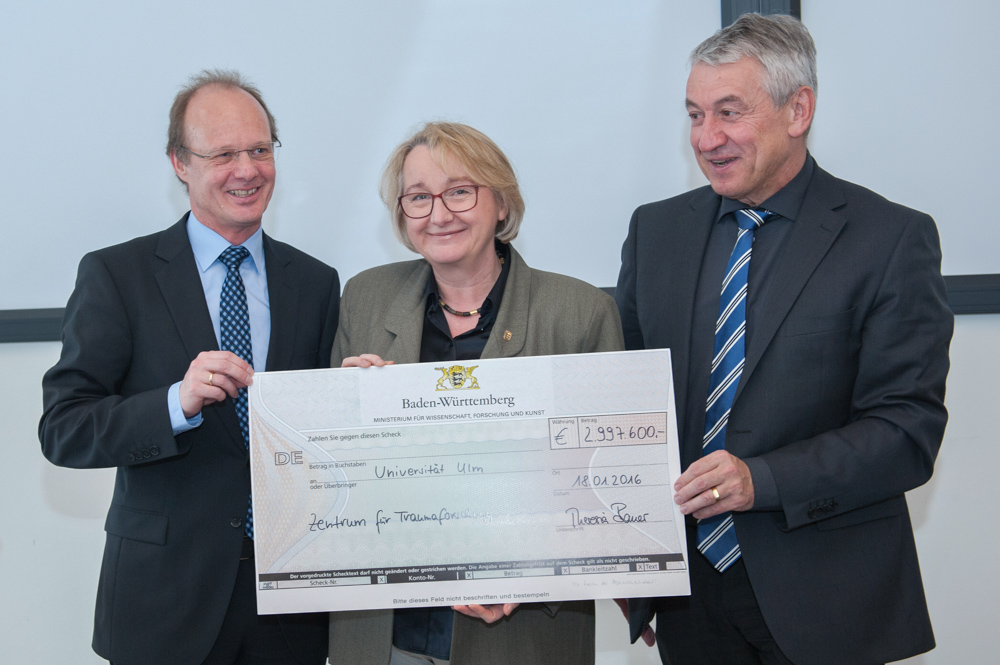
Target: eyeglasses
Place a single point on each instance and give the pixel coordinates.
(456, 199)
(262, 152)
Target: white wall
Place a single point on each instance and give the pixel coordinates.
(585, 97)
(903, 88)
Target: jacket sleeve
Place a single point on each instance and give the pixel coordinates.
(87, 420)
(896, 407)
(604, 331)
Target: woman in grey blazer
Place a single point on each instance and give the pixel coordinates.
(455, 201)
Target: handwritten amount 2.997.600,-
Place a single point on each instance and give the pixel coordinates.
(612, 433)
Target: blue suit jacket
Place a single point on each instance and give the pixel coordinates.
(135, 321)
(842, 395)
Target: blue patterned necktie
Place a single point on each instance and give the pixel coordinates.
(717, 535)
(234, 331)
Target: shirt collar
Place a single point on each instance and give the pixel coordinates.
(787, 201)
(207, 244)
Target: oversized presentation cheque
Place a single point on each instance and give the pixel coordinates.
(545, 478)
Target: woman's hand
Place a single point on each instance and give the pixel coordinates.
(366, 360)
(488, 613)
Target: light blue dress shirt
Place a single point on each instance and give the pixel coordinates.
(207, 246)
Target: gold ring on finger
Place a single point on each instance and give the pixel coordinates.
(211, 375)
(715, 493)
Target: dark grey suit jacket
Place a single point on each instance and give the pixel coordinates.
(134, 323)
(841, 395)
(383, 312)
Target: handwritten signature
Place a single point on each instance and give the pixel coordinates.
(620, 515)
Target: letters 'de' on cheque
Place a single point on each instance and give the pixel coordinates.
(545, 478)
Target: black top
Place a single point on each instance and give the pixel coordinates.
(436, 342)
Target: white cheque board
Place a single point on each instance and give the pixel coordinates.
(545, 478)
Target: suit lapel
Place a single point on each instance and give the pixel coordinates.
(180, 285)
(283, 302)
(405, 321)
(811, 238)
(513, 315)
(685, 245)
(177, 277)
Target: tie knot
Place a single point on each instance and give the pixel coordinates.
(752, 218)
(232, 257)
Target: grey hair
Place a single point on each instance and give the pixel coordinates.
(780, 43)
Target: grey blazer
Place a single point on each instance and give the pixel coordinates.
(382, 312)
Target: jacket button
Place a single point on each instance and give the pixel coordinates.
(236, 522)
(155, 450)
(131, 457)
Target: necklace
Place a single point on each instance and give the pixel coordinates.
(455, 311)
(472, 312)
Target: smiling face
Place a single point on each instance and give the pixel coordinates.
(228, 199)
(462, 240)
(747, 148)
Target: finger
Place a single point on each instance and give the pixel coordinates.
(202, 391)
(739, 500)
(488, 613)
(213, 379)
(508, 608)
(715, 470)
(466, 610)
(696, 490)
(196, 394)
(356, 361)
(213, 359)
(221, 362)
(698, 469)
(373, 359)
(648, 636)
(235, 368)
(706, 504)
(484, 612)
(226, 383)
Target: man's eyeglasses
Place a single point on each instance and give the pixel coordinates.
(262, 152)
(417, 205)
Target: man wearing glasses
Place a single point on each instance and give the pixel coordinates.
(161, 338)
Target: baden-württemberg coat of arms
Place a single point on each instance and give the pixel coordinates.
(457, 377)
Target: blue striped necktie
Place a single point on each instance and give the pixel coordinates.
(717, 535)
(234, 333)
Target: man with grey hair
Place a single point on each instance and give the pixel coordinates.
(809, 330)
(161, 338)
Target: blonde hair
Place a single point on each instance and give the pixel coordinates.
(484, 161)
